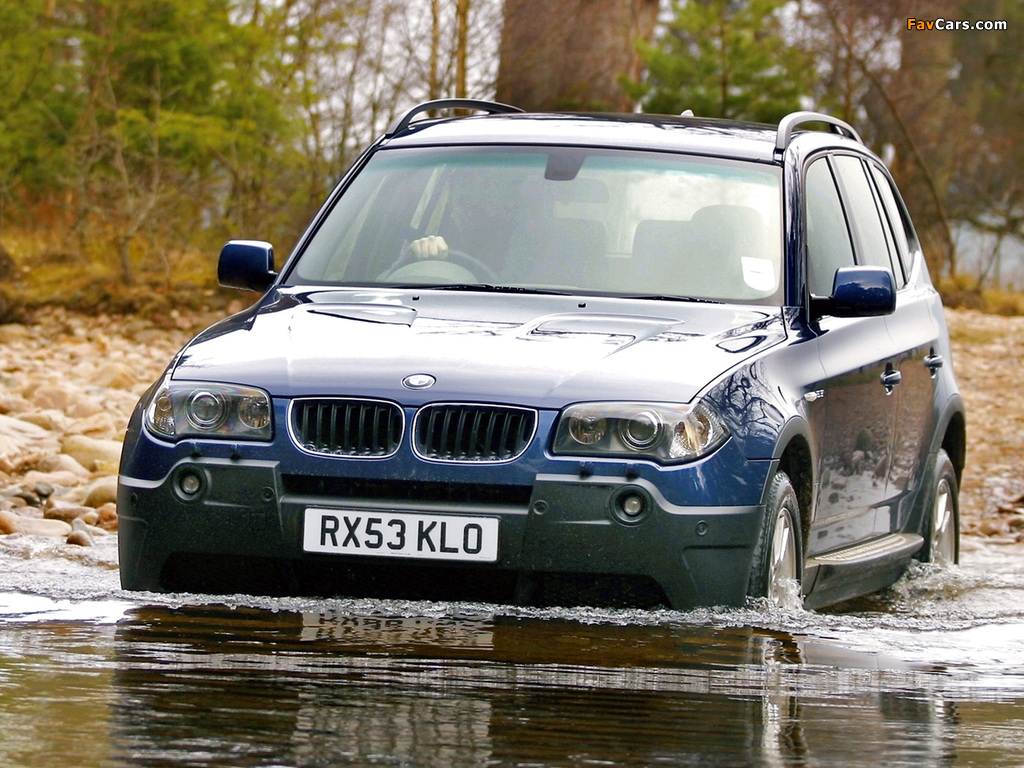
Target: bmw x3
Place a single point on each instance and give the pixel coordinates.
(553, 359)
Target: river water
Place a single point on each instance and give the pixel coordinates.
(929, 674)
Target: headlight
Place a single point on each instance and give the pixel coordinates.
(663, 433)
(180, 409)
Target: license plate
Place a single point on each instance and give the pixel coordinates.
(397, 534)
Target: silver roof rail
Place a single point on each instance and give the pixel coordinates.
(789, 123)
(402, 123)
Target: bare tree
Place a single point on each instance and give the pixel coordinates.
(896, 84)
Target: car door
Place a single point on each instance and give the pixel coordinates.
(859, 359)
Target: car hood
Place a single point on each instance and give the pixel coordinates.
(542, 351)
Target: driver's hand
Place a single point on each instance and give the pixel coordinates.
(429, 247)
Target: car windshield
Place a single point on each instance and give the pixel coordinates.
(563, 219)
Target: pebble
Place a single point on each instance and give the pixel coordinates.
(63, 510)
(31, 498)
(89, 517)
(9, 522)
(102, 491)
(993, 527)
(10, 332)
(50, 420)
(61, 462)
(95, 454)
(107, 517)
(80, 539)
(31, 526)
(44, 489)
(81, 525)
(45, 484)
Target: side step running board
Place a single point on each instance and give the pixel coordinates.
(898, 546)
(859, 570)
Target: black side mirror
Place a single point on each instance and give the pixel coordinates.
(858, 292)
(247, 265)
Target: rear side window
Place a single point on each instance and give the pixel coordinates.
(866, 219)
(902, 230)
(828, 239)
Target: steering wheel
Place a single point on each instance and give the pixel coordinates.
(480, 270)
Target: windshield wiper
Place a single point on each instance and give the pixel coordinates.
(671, 297)
(489, 288)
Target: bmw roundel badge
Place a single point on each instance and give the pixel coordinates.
(418, 381)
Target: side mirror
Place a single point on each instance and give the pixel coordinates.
(858, 292)
(247, 265)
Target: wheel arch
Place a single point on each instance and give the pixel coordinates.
(795, 457)
(954, 437)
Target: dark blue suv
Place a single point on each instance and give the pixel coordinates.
(553, 359)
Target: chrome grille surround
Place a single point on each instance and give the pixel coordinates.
(346, 427)
(472, 432)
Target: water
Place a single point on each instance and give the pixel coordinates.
(929, 674)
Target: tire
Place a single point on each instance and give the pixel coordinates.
(941, 522)
(778, 556)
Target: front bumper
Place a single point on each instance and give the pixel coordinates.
(223, 524)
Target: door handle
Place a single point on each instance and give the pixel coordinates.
(933, 362)
(891, 378)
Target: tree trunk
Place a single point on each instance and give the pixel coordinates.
(572, 54)
(461, 46)
(921, 89)
(434, 79)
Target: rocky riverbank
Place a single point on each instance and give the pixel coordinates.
(68, 383)
(987, 350)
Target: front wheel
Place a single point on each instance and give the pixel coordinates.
(778, 557)
(941, 528)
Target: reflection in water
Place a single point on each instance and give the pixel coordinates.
(215, 686)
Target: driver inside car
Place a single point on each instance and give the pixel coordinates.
(478, 220)
(429, 247)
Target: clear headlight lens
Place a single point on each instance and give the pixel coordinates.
(664, 433)
(180, 409)
(206, 410)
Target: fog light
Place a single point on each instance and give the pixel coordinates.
(631, 505)
(189, 483)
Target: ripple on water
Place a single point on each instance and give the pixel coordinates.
(967, 617)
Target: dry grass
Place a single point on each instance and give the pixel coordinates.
(963, 293)
(43, 272)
